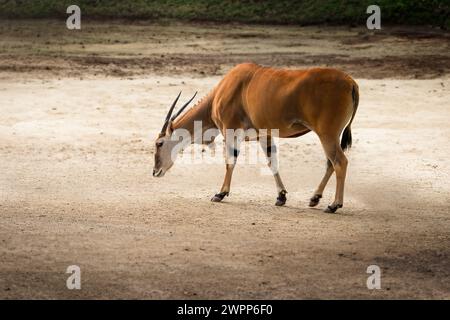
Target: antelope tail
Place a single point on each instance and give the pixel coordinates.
(346, 140)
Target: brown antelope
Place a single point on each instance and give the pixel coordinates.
(295, 102)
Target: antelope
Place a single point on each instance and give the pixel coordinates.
(250, 96)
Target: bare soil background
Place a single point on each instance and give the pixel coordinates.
(80, 110)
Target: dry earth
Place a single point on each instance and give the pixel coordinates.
(78, 117)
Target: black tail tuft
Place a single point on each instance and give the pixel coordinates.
(346, 141)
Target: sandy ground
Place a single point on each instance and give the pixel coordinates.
(76, 185)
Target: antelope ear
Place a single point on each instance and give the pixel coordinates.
(169, 129)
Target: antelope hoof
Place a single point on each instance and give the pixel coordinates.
(314, 201)
(281, 199)
(219, 196)
(332, 208)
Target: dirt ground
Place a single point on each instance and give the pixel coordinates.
(80, 110)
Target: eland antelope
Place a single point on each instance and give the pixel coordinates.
(295, 102)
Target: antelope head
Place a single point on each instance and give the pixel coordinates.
(165, 144)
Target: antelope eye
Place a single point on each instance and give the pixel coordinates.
(159, 144)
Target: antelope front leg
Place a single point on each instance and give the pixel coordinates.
(272, 161)
(231, 154)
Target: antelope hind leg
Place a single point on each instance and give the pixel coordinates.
(219, 196)
(315, 199)
(339, 161)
